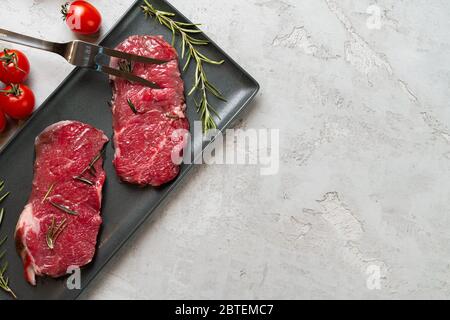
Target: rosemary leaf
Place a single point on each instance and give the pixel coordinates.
(3, 240)
(189, 24)
(84, 180)
(172, 116)
(4, 197)
(132, 106)
(190, 30)
(49, 191)
(211, 88)
(2, 212)
(64, 208)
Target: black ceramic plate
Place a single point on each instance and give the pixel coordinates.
(83, 96)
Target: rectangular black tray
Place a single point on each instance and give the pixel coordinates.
(83, 96)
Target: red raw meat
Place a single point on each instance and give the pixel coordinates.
(146, 137)
(63, 151)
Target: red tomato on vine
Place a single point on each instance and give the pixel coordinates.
(81, 17)
(14, 66)
(17, 101)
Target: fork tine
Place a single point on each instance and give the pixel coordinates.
(126, 75)
(130, 57)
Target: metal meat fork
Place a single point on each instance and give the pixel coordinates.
(85, 55)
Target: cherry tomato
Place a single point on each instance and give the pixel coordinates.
(14, 66)
(2, 122)
(17, 101)
(82, 17)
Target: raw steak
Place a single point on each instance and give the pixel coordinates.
(145, 138)
(63, 151)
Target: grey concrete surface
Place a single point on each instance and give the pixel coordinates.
(362, 105)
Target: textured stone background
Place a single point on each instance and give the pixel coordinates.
(365, 156)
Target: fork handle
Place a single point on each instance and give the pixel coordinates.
(28, 41)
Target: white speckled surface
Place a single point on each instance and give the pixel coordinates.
(365, 156)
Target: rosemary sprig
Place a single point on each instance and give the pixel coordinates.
(54, 232)
(63, 208)
(132, 106)
(4, 281)
(189, 49)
